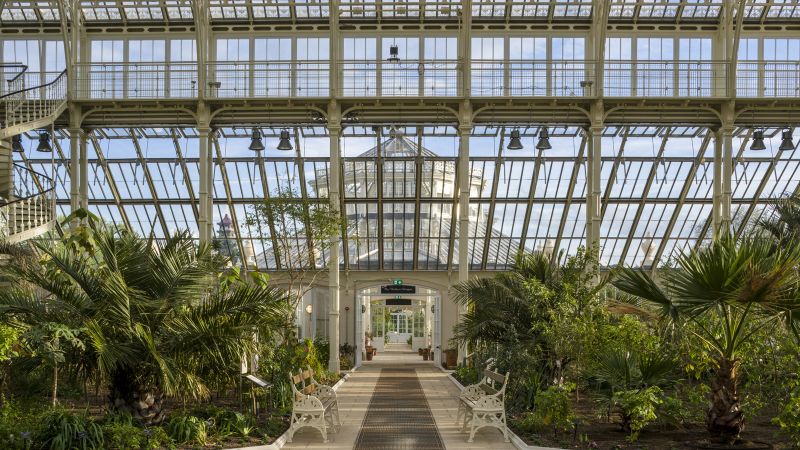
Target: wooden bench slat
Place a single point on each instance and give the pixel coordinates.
(494, 376)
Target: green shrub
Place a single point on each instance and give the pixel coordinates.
(467, 375)
(789, 418)
(156, 438)
(275, 426)
(17, 425)
(553, 411)
(187, 428)
(123, 436)
(637, 408)
(232, 422)
(63, 430)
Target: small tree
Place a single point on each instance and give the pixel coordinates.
(724, 293)
(49, 341)
(300, 229)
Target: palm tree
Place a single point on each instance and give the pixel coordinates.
(510, 310)
(156, 323)
(726, 291)
(784, 222)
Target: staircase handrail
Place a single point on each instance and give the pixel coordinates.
(9, 82)
(48, 84)
(48, 180)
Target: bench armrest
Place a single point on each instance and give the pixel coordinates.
(472, 392)
(308, 403)
(324, 391)
(488, 403)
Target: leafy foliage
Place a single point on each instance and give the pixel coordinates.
(150, 314)
(637, 408)
(64, 430)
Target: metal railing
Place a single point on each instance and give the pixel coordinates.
(34, 96)
(136, 81)
(429, 78)
(530, 78)
(268, 79)
(692, 79)
(13, 77)
(771, 79)
(31, 210)
(404, 78)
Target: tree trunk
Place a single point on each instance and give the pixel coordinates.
(55, 384)
(144, 404)
(725, 419)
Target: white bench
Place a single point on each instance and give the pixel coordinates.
(315, 405)
(483, 404)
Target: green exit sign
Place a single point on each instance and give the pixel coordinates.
(398, 282)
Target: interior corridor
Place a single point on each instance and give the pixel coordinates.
(356, 398)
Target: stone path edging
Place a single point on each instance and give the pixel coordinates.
(281, 440)
(516, 440)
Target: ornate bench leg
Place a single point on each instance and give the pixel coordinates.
(291, 429)
(505, 426)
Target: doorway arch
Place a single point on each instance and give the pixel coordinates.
(426, 299)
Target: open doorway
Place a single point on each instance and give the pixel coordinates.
(395, 327)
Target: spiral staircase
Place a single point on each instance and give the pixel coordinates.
(28, 101)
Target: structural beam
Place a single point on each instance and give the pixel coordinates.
(464, 185)
(204, 214)
(594, 209)
(149, 179)
(334, 180)
(723, 173)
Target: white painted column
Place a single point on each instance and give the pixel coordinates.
(74, 168)
(202, 219)
(210, 185)
(727, 178)
(464, 181)
(594, 208)
(716, 209)
(334, 131)
(83, 177)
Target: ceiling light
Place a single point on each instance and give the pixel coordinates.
(394, 53)
(514, 143)
(544, 140)
(16, 144)
(256, 144)
(758, 141)
(786, 141)
(284, 143)
(44, 143)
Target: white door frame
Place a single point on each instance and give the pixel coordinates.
(361, 319)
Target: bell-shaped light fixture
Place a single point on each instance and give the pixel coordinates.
(284, 143)
(758, 141)
(16, 144)
(544, 140)
(394, 53)
(786, 141)
(44, 143)
(256, 142)
(514, 143)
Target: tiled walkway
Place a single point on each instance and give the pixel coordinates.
(440, 393)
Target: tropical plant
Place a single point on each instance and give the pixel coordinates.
(789, 417)
(155, 323)
(519, 317)
(287, 216)
(637, 408)
(48, 341)
(783, 224)
(724, 293)
(186, 428)
(64, 430)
